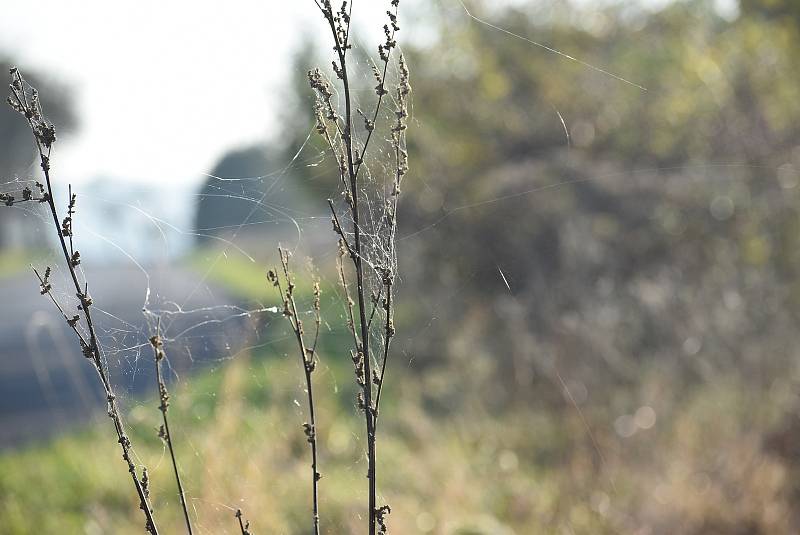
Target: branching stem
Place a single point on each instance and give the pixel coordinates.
(163, 406)
(308, 358)
(44, 136)
(350, 162)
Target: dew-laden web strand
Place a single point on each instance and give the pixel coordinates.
(563, 125)
(146, 305)
(257, 178)
(157, 222)
(33, 339)
(587, 427)
(230, 242)
(242, 312)
(129, 257)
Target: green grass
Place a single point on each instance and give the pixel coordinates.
(242, 278)
(451, 462)
(240, 442)
(247, 280)
(16, 261)
(470, 471)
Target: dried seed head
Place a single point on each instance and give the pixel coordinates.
(145, 483)
(380, 517)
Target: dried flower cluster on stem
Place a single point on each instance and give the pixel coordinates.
(369, 243)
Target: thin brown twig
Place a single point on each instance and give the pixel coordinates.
(338, 229)
(308, 358)
(164, 433)
(387, 340)
(72, 322)
(351, 321)
(375, 300)
(244, 525)
(381, 90)
(44, 137)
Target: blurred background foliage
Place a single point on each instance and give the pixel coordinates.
(642, 220)
(589, 246)
(600, 290)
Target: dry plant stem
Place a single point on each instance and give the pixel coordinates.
(381, 92)
(375, 300)
(308, 358)
(91, 349)
(244, 526)
(349, 166)
(351, 322)
(11, 201)
(400, 170)
(386, 343)
(359, 269)
(45, 286)
(164, 432)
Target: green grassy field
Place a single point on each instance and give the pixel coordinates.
(242, 278)
(238, 433)
(240, 443)
(451, 462)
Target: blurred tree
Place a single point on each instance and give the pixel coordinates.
(556, 215)
(233, 194)
(776, 9)
(274, 180)
(565, 216)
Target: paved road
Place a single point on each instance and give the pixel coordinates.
(46, 384)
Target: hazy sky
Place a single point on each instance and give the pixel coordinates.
(163, 88)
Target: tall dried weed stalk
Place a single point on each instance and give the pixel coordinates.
(25, 100)
(368, 241)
